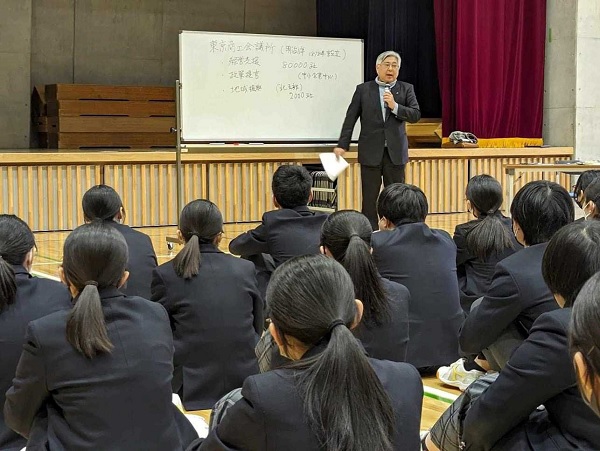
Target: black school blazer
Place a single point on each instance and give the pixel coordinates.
(270, 416)
(122, 400)
(216, 318)
(424, 261)
(539, 372)
(141, 263)
(36, 297)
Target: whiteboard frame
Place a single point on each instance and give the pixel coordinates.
(182, 142)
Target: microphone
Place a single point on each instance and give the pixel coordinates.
(387, 89)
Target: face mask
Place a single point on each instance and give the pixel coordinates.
(585, 214)
(594, 402)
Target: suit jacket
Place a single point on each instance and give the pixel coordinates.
(475, 274)
(424, 261)
(284, 233)
(388, 341)
(539, 372)
(36, 297)
(60, 399)
(374, 131)
(216, 318)
(142, 260)
(517, 294)
(270, 416)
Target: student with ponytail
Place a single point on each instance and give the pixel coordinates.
(383, 331)
(23, 298)
(98, 376)
(215, 309)
(483, 242)
(101, 202)
(331, 397)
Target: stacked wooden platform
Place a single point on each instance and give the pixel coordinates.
(94, 116)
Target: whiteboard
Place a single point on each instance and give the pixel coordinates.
(238, 87)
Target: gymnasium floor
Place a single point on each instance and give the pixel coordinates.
(49, 256)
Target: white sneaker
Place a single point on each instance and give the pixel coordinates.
(456, 375)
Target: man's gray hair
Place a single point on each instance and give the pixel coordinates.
(387, 53)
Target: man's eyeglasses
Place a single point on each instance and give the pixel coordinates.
(388, 65)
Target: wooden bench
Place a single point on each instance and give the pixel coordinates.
(96, 116)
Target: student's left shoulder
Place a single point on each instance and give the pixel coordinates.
(401, 373)
(556, 320)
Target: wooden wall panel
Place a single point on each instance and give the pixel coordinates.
(495, 168)
(442, 180)
(47, 197)
(349, 192)
(149, 191)
(46, 189)
(242, 191)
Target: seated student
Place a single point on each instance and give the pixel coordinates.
(480, 245)
(97, 376)
(23, 298)
(383, 331)
(482, 242)
(584, 339)
(102, 202)
(591, 200)
(501, 320)
(407, 251)
(583, 181)
(291, 230)
(540, 371)
(332, 396)
(215, 310)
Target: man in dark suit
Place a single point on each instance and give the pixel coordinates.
(291, 230)
(407, 251)
(384, 105)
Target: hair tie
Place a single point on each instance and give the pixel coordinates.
(334, 324)
(354, 235)
(91, 282)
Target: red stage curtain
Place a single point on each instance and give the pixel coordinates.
(490, 56)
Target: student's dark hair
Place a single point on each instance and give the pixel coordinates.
(101, 202)
(571, 258)
(16, 240)
(583, 181)
(540, 208)
(584, 334)
(347, 235)
(592, 193)
(200, 222)
(94, 257)
(311, 298)
(488, 235)
(291, 186)
(402, 204)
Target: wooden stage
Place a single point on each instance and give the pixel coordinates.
(45, 188)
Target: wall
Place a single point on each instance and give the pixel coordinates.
(15, 56)
(560, 73)
(116, 42)
(587, 112)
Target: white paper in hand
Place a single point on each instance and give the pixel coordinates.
(333, 165)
